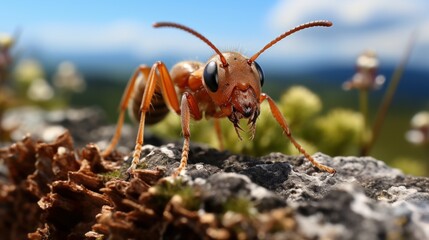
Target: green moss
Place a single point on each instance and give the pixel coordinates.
(142, 165)
(108, 176)
(239, 205)
(164, 191)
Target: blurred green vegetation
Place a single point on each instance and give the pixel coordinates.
(25, 82)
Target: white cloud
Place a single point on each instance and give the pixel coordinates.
(72, 37)
(135, 37)
(350, 13)
(382, 25)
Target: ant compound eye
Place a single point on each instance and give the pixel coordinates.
(210, 76)
(261, 73)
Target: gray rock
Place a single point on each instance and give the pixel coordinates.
(365, 199)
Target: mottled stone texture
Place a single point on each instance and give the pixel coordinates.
(365, 199)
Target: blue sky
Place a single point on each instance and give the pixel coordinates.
(100, 27)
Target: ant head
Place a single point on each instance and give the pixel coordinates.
(240, 74)
(235, 88)
(233, 81)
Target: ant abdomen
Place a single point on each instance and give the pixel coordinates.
(181, 75)
(158, 108)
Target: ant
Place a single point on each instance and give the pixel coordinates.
(228, 85)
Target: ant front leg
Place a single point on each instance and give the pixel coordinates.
(142, 71)
(170, 97)
(218, 130)
(188, 106)
(158, 72)
(282, 121)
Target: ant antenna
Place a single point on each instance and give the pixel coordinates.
(320, 23)
(195, 33)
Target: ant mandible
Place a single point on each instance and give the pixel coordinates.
(228, 85)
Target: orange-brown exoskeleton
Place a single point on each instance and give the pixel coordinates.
(227, 86)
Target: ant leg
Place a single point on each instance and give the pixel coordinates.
(143, 71)
(158, 72)
(281, 120)
(218, 130)
(189, 106)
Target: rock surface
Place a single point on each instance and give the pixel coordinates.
(365, 199)
(59, 190)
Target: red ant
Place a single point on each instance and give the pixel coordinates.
(228, 85)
